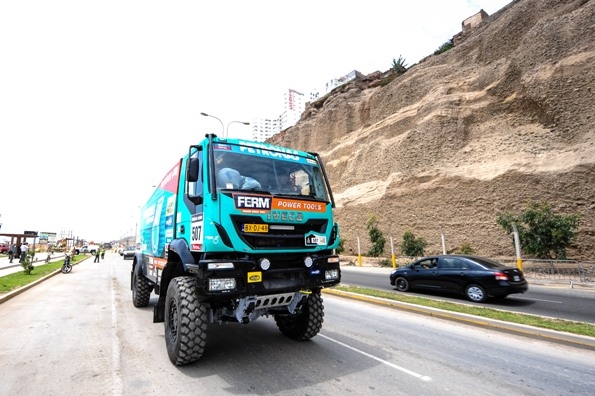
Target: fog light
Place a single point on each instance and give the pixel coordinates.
(265, 264)
(222, 284)
(308, 262)
(331, 274)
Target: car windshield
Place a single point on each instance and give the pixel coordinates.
(277, 173)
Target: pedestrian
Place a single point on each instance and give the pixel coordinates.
(102, 253)
(12, 252)
(97, 253)
(24, 250)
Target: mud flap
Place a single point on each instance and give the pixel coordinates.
(159, 312)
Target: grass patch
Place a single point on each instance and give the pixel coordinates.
(580, 328)
(20, 279)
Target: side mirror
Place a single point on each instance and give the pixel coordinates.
(192, 171)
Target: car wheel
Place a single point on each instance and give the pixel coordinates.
(475, 293)
(402, 284)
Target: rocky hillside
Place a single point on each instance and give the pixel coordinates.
(504, 117)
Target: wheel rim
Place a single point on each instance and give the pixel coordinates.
(475, 293)
(401, 284)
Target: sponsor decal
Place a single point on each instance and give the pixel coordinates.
(263, 203)
(294, 204)
(221, 146)
(196, 246)
(170, 181)
(252, 203)
(315, 272)
(315, 240)
(255, 276)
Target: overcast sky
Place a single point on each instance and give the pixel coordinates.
(98, 99)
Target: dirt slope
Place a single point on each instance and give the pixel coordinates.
(505, 117)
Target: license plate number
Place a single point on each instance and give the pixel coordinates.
(516, 278)
(256, 228)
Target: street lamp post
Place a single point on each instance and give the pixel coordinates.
(232, 122)
(212, 116)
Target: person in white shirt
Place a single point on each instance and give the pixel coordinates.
(24, 250)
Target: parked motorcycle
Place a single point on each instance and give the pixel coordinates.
(66, 267)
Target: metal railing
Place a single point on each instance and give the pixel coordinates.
(570, 270)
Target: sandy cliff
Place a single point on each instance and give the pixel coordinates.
(504, 117)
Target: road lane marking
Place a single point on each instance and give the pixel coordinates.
(404, 370)
(116, 379)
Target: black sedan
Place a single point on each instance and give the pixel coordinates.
(475, 277)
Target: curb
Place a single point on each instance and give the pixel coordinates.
(574, 340)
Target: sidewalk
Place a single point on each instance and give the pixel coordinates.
(7, 268)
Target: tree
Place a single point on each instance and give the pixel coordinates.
(399, 65)
(413, 246)
(376, 237)
(542, 233)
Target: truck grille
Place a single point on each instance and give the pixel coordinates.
(278, 239)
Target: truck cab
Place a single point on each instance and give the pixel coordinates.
(243, 229)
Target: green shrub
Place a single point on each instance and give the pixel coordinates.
(466, 249)
(399, 65)
(542, 233)
(376, 237)
(413, 246)
(444, 47)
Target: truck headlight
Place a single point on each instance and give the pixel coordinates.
(222, 284)
(332, 274)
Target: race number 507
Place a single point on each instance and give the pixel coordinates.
(197, 233)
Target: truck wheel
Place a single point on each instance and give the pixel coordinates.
(307, 323)
(185, 322)
(141, 290)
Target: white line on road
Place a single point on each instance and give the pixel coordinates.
(117, 381)
(406, 371)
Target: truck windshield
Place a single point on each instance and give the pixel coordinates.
(237, 168)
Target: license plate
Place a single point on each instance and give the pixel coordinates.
(516, 278)
(256, 228)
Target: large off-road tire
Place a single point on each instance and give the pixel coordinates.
(141, 290)
(307, 323)
(185, 322)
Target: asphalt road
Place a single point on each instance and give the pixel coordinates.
(80, 334)
(556, 300)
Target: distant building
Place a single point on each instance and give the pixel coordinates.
(469, 25)
(264, 128)
(334, 83)
(294, 104)
(474, 20)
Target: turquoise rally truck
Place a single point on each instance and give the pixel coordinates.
(237, 230)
